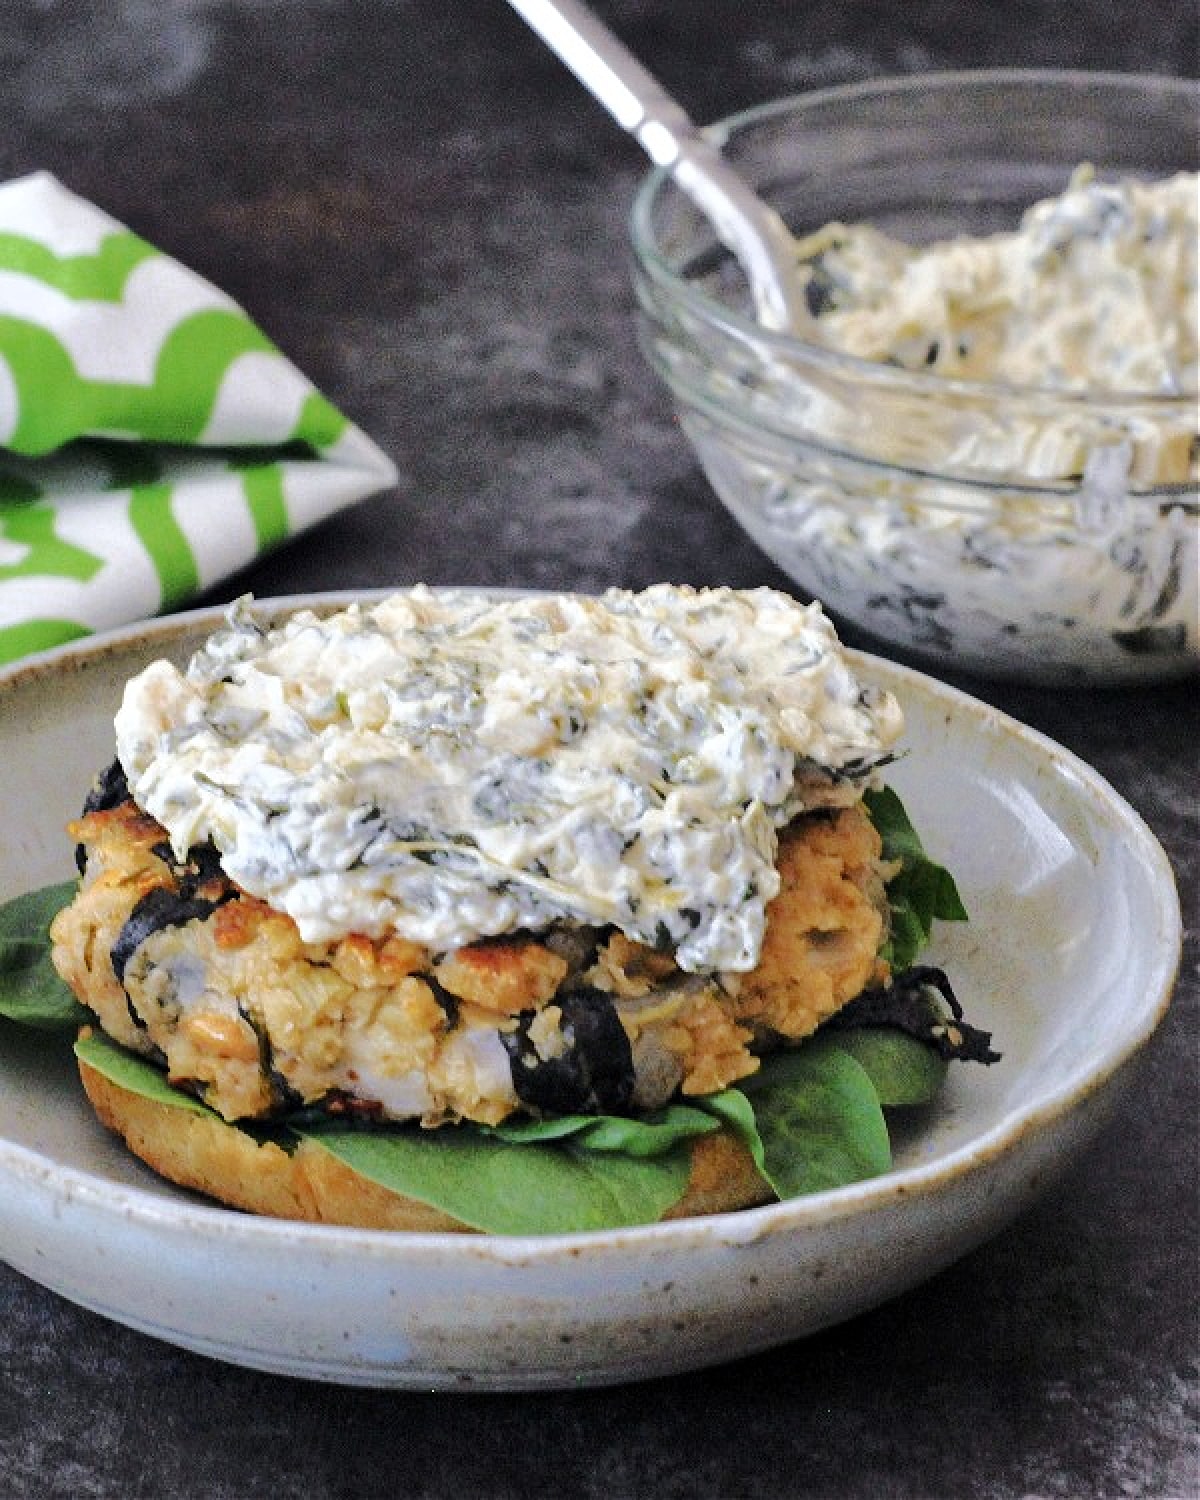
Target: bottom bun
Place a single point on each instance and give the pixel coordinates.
(207, 1155)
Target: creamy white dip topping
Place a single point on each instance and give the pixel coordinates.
(1043, 531)
(449, 766)
(1096, 290)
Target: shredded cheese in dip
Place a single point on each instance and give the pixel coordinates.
(1096, 290)
(451, 766)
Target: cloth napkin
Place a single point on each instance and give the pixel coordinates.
(152, 439)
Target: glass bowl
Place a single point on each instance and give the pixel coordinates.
(1013, 531)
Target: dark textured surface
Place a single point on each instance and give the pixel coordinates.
(428, 214)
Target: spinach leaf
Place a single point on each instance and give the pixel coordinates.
(902, 1070)
(819, 1119)
(30, 990)
(494, 1185)
(811, 1119)
(732, 1108)
(922, 890)
(137, 1074)
(648, 1135)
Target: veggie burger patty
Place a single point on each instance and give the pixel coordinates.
(179, 964)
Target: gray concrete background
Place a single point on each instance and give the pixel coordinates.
(426, 212)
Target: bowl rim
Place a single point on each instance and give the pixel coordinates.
(742, 327)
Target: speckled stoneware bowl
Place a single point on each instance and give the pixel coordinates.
(1069, 958)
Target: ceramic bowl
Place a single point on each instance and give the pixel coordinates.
(1069, 958)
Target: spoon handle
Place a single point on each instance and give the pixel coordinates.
(747, 226)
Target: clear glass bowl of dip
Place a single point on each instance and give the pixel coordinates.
(1012, 531)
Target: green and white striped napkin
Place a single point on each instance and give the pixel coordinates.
(152, 439)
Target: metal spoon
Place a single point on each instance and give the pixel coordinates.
(748, 227)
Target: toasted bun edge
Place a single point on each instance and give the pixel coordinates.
(208, 1156)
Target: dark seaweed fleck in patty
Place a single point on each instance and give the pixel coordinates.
(159, 908)
(593, 1075)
